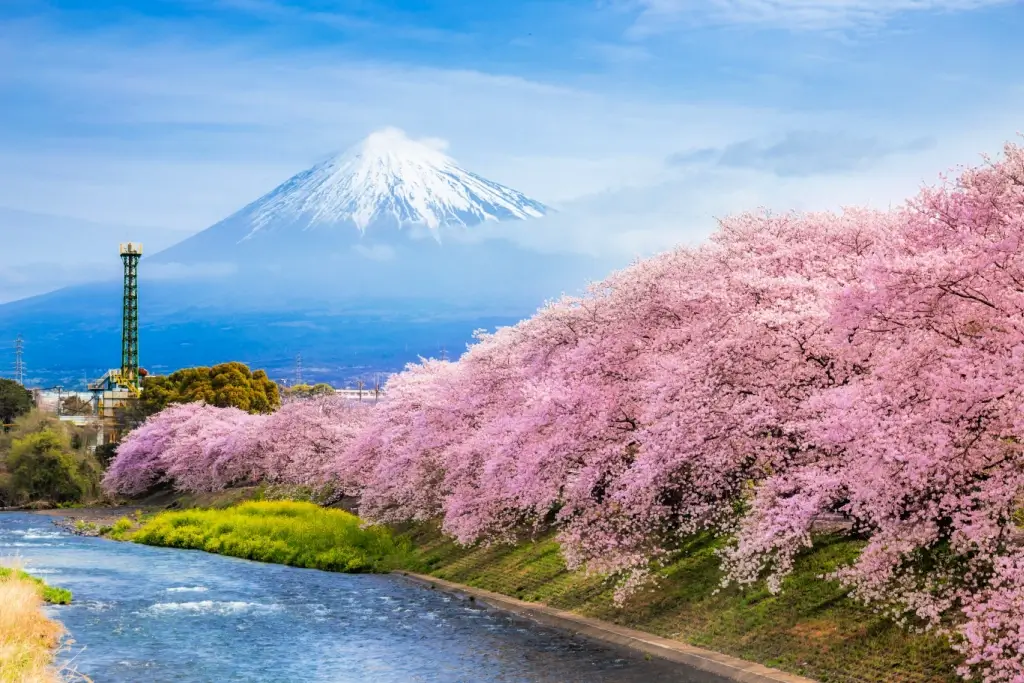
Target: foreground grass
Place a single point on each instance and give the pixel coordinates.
(50, 594)
(292, 533)
(812, 628)
(27, 638)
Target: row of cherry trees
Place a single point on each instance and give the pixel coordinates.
(202, 448)
(868, 364)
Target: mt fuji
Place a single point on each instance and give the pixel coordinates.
(391, 179)
(361, 263)
(385, 190)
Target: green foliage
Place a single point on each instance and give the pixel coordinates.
(106, 453)
(42, 466)
(813, 628)
(121, 530)
(291, 533)
(307, 391)
(226, 385)
(51, 594)
(44, 459)
(15, 401)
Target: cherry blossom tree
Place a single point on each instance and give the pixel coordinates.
(864, 364)
(167, 445)
(925, 443)
(299, 443)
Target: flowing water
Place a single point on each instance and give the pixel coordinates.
(149, 615)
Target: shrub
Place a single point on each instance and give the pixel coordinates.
(42, 467)
(292, 533)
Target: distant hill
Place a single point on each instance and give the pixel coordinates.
(361, 263)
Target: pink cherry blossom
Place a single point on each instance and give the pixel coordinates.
(866, 364)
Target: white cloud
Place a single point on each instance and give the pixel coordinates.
(657, 16)
(180, 271)
(440, 144)
(683, 208)
(222, 125)
(188, 133)
(376, 252)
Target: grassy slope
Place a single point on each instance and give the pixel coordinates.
(810, 629)
(292, 533)
(27, 637)
(50, 594)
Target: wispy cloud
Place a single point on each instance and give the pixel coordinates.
(190, 272)
(184, 133)
(377, 252)
(396, 26)
(657, 16)
(150, 122)
(803, 153)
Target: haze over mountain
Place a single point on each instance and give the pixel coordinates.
(42, 252)
(371, 258)
(391, 217)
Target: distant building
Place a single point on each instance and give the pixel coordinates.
(50, 400)
(360, 394)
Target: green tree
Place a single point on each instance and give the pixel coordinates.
(42, 467)
(15, 401)
(43, 458)
(226, 385)
(106, 453)
(306, 391)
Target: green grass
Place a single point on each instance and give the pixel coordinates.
(51, 594)
(292, 533)
(812, 628)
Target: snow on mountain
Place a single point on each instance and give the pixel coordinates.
(388, 179)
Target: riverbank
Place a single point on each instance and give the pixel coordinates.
(811, 629)
(147, 613)
(282, 532)
(28, 639)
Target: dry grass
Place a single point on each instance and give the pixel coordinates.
(27, 638)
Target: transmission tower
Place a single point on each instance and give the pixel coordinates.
(19, 360)
(298, 369)
(130, 255)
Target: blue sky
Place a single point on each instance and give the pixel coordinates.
(642, 119)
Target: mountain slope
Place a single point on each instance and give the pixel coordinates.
(385, 190)
(361, 263)
(390, 179)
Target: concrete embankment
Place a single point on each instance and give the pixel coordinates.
(719, 667)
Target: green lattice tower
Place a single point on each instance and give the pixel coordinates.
(130, 255)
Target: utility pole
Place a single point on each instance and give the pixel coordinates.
(359, 386)
(376, 387)
(19, 360)
(59, 389)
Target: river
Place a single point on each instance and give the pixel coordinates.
(149, 615)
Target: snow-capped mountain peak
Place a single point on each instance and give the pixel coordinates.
(389, 179)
